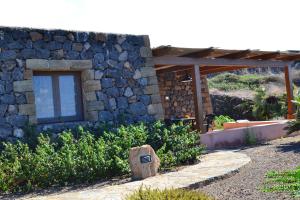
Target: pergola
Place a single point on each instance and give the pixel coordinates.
(203, 61)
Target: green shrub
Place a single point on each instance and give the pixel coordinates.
(294, 126)
(15, 166)
(220, 120)
(80, 156)
(175, 145)
(230, 81)
(268, 107)
(167, 194)
(286, 181)
(250, 138)
(120, 141)
(225, 82)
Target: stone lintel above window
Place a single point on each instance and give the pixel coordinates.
(58, 65)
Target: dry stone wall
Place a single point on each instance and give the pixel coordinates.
(177, 97)
(119, 81)
(232, 106)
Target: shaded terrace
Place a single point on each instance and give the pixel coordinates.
(203, 61)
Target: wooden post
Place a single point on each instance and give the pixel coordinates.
(198, 98)
(289, 91)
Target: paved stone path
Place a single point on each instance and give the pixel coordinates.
(212, 166)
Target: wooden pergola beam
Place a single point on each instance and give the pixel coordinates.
(236, 55)
(290, 57)
(222, 69)
(225, 53)
(203, 69)
(174, 68)
(161, 51)
(173, 60)
(168, 50)
(265, 56)
(200, 53)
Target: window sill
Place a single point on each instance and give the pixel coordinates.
(60, 126)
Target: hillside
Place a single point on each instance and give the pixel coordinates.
(244, 86)
(252, 96)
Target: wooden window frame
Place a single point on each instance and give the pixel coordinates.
(56, 97)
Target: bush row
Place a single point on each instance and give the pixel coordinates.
(86, 157)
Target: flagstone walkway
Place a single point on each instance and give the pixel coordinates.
(212, 166)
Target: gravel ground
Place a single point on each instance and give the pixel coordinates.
(281, 154)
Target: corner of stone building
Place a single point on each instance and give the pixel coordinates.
(148, 71)
(147, 40)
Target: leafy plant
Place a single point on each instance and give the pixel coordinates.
(294, 125)
(260, 110)
(220, 120)
(250, 138)
(268, 107)
(175, 145)
(286, 181)
(120, 141)
(166, 194)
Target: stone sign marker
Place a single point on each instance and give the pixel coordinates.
(143, 161)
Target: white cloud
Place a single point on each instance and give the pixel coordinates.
(254, 24)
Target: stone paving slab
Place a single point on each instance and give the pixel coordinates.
(212, 166)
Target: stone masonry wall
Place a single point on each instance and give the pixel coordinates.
(119, 80)
(232, 106)
(177, 97)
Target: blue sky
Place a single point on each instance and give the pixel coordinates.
(236, 24)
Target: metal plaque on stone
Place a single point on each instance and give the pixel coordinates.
(145, 159)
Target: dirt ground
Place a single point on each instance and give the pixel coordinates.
(281, 154)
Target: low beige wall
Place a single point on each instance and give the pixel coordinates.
(236, 137)
(231, 125)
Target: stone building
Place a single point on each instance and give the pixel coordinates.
(56, 78)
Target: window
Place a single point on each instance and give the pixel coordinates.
(57, 96)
